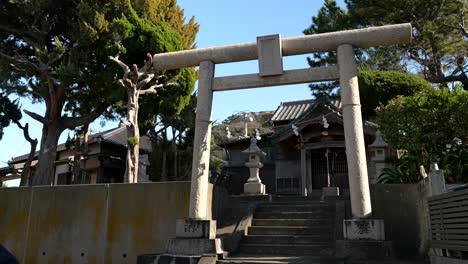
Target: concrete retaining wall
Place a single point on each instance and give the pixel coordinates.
(405, 211)
(112, 223)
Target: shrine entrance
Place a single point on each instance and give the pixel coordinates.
(269, 50)
(329, 168)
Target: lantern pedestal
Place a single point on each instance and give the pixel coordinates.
(254, 185)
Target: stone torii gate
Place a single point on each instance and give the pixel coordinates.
(269, 51)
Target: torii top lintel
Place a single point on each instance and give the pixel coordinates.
(358, 38)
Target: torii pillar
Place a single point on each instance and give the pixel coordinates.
(196, 235)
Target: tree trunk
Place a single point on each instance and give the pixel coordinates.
(133, 135)
(79, 155)
(133, 80)
(163, 167)
(26, 174)
(26, 177)
(84, 154)
(174, 148)
(45, 170)
(164, 157)
(76, 178)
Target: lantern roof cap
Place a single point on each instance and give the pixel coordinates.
(253, 148)
(379, 142)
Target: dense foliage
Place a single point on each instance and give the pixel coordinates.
(170, 100)
(424, 124)
(172, 143)
(9, 113)
(376, 88)
(430, 127)
(439, 47)
(438, 50)
(56, 52)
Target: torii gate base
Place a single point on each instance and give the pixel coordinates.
(195, 240)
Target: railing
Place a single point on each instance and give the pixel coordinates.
(449, 220)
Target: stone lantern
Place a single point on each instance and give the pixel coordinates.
(254, 185)
(378, 155)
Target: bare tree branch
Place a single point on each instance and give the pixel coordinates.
(72, 122)
(27, 36)
(20, 60)
(127, 82)
(25, 129)
(145, 81)
(151, 89)
(26, 173)
(147, 65)
(37, 117)
(53, 60)
(121, 82)
(124, 66)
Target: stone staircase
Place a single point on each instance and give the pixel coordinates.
(289, 231)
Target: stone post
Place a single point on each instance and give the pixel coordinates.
(360, 233)
(303, 172)
(195, 238)
(254, 185)
(436, 180)
(201, 145)
(354, 135)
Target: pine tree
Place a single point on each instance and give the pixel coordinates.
(438, 50)
(56, 52)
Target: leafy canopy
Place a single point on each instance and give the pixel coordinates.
(438, 51)
(57, 52)
(170, 100)
(9, 112)
(332, 18)
(376, 88)
(429, 126)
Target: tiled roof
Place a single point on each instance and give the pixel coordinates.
(116, 136)
(288, 111)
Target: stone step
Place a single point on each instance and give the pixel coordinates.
(286, 249)
(294, 208)
(287, 239)
(327, 204)
(291, 198)
(296, 230)
(246, 259)
(294, 215)
(298, 201)
(291, 222)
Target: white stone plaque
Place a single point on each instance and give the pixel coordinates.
(270, 57)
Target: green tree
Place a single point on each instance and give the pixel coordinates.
(54, 52)
(438, 50)
(172, 108)
(429, 126)
(170, 100)
(57, 53)
(440, 33)
(174, 149)
(332, 18)
(376, 88)
(170, 12)
(9, 113)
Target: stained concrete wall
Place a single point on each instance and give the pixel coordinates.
(405, 211)
(109, 223)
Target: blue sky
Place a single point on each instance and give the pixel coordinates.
(221, 23)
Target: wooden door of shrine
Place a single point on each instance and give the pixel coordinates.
(337, 168)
